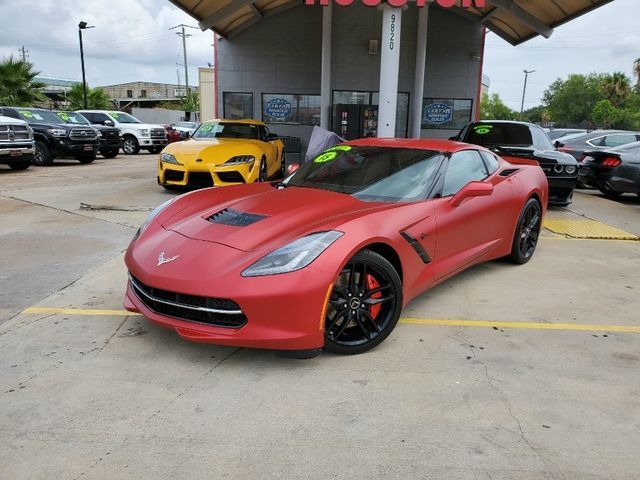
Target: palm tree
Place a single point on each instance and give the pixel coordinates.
(97, 98)
(18, 86)
(617, 88)
(636, 72)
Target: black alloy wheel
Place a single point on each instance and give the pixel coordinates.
(42, 155)
(364, 306)
(130, 145)
(262, 176)
(527, 233)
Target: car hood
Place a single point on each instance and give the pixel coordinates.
(214, 151)
(262, 217)
(139, 126)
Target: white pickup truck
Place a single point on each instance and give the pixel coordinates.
(16, 143)
(135, 134)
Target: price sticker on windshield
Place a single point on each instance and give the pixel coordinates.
(326, 157)
(483, 129)
(63, 116)
(340, 148)
(207, 127)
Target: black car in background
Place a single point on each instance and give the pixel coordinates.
(109, 137)
(613, 171)
(53, 138)
(528, 141)
(596, 140)
(560, 133)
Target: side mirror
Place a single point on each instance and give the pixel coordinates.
(292, 168)
(558, 144)
(108, 123)
(472, 189)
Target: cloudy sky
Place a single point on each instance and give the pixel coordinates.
(132, 41)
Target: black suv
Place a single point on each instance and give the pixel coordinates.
(54, 138)
(110, 141)
(529, 141)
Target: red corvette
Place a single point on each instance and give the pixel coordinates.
(329, 257)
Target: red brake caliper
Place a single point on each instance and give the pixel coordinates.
(372, 283)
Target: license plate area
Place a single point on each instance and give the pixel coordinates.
(15, 153)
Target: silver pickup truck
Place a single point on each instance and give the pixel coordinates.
(16, 143)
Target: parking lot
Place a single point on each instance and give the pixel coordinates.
(504, 372)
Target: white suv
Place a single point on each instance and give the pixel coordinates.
(135, 134)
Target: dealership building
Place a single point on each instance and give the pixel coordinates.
(359, 70)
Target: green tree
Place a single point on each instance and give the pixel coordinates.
(97, 98)
(636, 74)
(535, 115)
(571, 101)
(18, 86)
(190, 102)
(493, 108)
(617, 88)
(606, 114)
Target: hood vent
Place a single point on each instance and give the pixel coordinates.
(233, 218)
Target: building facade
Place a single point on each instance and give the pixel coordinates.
(145, 94)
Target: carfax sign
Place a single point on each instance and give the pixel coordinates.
(438, 113)
(278, 108)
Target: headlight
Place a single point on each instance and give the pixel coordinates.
(30, 130)
(99, 133)
(293, 256)
(154, 213)
(144, 133)
(57, 132)
(168, 158)
(240, 160)
(571, 169)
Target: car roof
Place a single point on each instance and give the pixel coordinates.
(248, 121)
(507, 122)
(417, 143)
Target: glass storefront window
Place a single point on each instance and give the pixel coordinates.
(291, 109)
(347, 97)
(446, 113)
(237, 105)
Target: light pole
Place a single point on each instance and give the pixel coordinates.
(83, 26)
(524, 90)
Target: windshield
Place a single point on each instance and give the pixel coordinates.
(39, 116)
(122, 117)
(227, 130)
(186, 124)
(489, 134)
(72, 117)
(374, 174)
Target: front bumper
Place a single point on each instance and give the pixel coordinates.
(206, 175)
(108, 144)
(152, 142)
(64, 147)
(283, 312)
(561, 190)
(17, 153)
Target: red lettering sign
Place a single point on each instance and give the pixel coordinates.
(402, 3)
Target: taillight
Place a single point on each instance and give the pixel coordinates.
(611, 162)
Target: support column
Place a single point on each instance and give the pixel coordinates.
(415, 112)
(389, 69)
(325, 78)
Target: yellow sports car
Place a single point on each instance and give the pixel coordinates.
(222, 152)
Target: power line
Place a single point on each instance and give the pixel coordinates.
(184, 50)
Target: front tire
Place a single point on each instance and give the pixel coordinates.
(110, 153)
(364, 306)
(20, 165)
(42, 156)
(130, 145)
(86, 158)
(155, 149)
(527, 233)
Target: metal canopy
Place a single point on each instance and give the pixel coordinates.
(516, 21)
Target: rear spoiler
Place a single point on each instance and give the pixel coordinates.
(520, 161)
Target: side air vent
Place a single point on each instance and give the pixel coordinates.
(422, 253)
(509, 171)
(233, 218)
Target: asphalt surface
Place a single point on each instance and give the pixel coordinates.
(471, 385)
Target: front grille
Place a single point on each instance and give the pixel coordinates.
(111, 134)
(231, 177)
(158, 133)
(173, 176)
(200, 179)
(83, 134)
(219, 312)
(13, 133)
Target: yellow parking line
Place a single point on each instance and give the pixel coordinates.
(405, 320)
(524, 325)
(75, 311)
(601, 240)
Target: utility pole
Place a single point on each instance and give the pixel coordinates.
(184, 50)
(524, 90)
(24, 53)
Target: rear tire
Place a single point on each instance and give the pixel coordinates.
(23, 165)
(364, 306)
(525, 239)
(609, 193)
(42, 155)
(130, 145)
